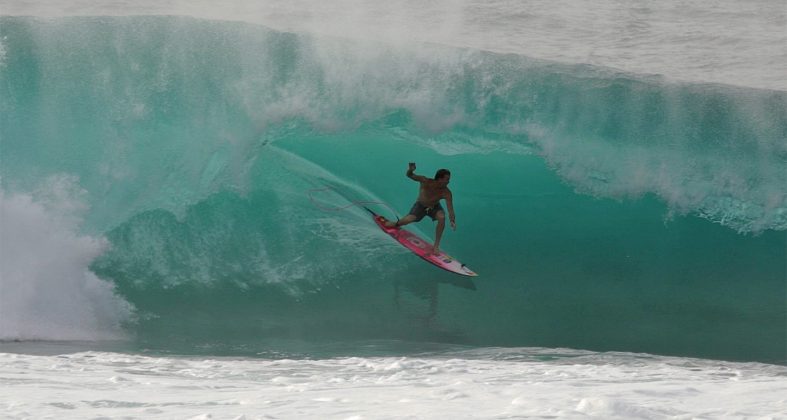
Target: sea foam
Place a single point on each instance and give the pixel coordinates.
(47, 290)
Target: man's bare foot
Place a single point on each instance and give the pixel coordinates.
(390, 224)
(435, 251)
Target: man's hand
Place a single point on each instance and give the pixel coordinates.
(412, 166)
(453, 224)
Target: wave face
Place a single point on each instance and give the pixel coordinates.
(603, 210)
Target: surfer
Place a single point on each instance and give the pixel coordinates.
(428, 203)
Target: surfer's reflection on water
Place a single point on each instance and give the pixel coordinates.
(408, 290)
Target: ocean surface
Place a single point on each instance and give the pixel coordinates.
(180, 234)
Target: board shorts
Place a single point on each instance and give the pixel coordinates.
(419, 211)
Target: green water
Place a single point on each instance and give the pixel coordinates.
(602, 210)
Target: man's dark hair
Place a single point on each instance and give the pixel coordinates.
(441, 173)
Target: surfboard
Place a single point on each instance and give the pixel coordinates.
(422, 248)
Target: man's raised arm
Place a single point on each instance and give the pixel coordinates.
(412, 175)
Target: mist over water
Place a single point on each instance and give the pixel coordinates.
(604, 209)
(727, 42)
(48, 291)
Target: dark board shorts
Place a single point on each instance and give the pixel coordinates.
(419, 211)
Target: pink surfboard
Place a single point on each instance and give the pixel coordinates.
(423, 248)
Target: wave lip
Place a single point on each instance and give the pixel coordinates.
(730, 42)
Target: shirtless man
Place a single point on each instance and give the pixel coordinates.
(428, 203)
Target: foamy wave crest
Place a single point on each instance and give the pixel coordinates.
(47, 291)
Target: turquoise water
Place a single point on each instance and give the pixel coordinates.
(603, 210)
